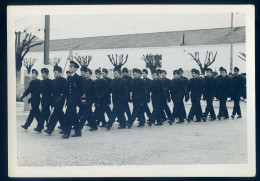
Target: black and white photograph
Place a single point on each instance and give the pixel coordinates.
(131, 91)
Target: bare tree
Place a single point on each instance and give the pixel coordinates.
(29, 63)
(84, 60)
(152, 61)
(118, 60)
(209, 60)
(55, 61)
(243, 56)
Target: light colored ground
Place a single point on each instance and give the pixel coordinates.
(216, 142)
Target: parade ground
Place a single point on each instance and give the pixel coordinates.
(211, 142)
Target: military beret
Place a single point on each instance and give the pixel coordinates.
(236, 69)
(57, 68)
(97, 71)
(125, 70)
(224, 70)
(134, 70)
(67, 72)
(164, 71)
(193, 71)
(155, 72)
(159, 71)
(221, 69)
(35, 71)
(83, 69)
(75, 64)
(117, 70)
(138, 71)
(180, 69)
(209, 69)
(145, 71)
(176, 72)
(45, 70)
(105, 70)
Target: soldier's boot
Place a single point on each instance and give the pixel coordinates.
(62, 132)
(219, 118)
(65, 136)
(38, 130)
(197, 120)
(226, 117)
(204, 119)
(48, 131)
(93, 129)
(24, 127)
(232, 116)
(78, 134)
(213, 119)
(170, 122)
(239, 116)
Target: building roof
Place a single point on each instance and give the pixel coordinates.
(159, 39)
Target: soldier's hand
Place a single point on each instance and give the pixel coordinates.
(29, 100)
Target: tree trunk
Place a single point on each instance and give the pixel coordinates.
(19, 90)
(202, 70)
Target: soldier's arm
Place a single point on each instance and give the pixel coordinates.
(27, 91)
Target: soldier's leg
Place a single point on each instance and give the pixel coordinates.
(147, 110)
(225, 111)
(45, 113)
(34, 113)
(90, 118)
(121, 115)
(127, 110)
(108, 110)
(167, 109)
(70, 116)
(192, 109)
(198, 109)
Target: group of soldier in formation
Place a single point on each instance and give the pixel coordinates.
(77, 95)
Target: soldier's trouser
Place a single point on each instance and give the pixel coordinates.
(70, 118)
(99, 114)
(127, 110)
(178, 108)
(57, 115)
(223, 112)
(45, 113)
(236, 108)
(138, 112)
(117, 112)
(107, 110)
(156, 114)
(195, 108)
(147, 110)
(86, 114)
(166, 109)
(34, 113)
(209, 107)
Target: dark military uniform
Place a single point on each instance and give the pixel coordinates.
(127, 109)
(224, 89)
(210, 90)
(46, 100)
(120, 97)
(178, 91)
(102, 102)
(195, 87)
(186, 80)
(138, 99)
(88, 98)
(73, 99)
(147, 86)
(157, 97)
(166, 83)
(59, 85)
(33, 89)
(237, 82)
(107, 98)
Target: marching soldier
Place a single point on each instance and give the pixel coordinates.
(102, 103)
(107, 96)
(195, 87)
(128, 80)
(166, 83)
(59, 85)
(224, 88)
(147, 85)
(88, 98)
(33, 89)
(138, 99)
(157, 96)
(237, 92)
(45, 91)
(73, 99)
(178, 91)
(186, 80)
(119, 92)
(209, 93)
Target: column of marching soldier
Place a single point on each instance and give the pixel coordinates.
(77, 95)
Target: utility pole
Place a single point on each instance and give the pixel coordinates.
(47, 40)
(231, 45)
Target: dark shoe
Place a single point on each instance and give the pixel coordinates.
(129, 125)
(76, 135)
(62, 132)
(239, 116)
(204, 119)
(226, 117)
(103, 126)
(158, 124)
(121, 127)
(179, 122)
(24, 127)
(48, 131)
(38, 130)
(197, 120)
(170, 122)
(65, 136)
(93, 129)
(213, 119)
(219, 118)
(232, 116)
(188, 120)
(108, 127)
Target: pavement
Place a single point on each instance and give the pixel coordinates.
(211, 142)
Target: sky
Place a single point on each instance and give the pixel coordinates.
(78, 26)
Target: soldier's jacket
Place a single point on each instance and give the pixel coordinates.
(224, 86)
(101, 86)
(237, 83)
(157, 90)
(210, 87)
(89, 91)
(119, 91)
(195, 87)
(46, 89)
(33, 89)
(166, 84)
(59, 86)
(177, 88)
(107, 96)
(147, 87)
(138, 90)
(128, 80)
(73, 90)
